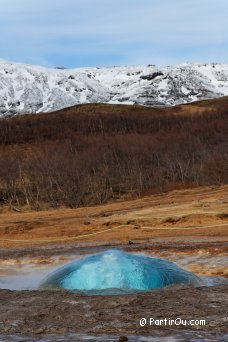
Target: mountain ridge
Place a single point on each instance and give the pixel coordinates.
(33, 89)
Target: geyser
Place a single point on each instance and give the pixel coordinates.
(118, 270)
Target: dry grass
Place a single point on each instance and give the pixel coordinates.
(143, 218)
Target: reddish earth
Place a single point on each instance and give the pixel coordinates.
(187, 214)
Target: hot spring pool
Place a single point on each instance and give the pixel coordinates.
(116, 271)
(127, 272)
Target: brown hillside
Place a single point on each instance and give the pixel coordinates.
(96, 153)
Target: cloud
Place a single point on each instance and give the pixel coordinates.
(96, 32)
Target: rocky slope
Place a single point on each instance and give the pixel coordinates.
(33, 89)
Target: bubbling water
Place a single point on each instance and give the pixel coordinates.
(118, 270)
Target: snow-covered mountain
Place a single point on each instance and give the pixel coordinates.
(33, 89)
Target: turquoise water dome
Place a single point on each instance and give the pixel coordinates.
(118, 270)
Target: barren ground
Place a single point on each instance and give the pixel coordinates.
(200, 212)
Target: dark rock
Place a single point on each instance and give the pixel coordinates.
(123, 339)
(152, 76)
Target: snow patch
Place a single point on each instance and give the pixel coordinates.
(33, 89)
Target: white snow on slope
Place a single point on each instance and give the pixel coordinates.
(33, 89)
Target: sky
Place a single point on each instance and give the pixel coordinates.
(79, 33)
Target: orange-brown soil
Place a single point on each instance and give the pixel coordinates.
(181, 214)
